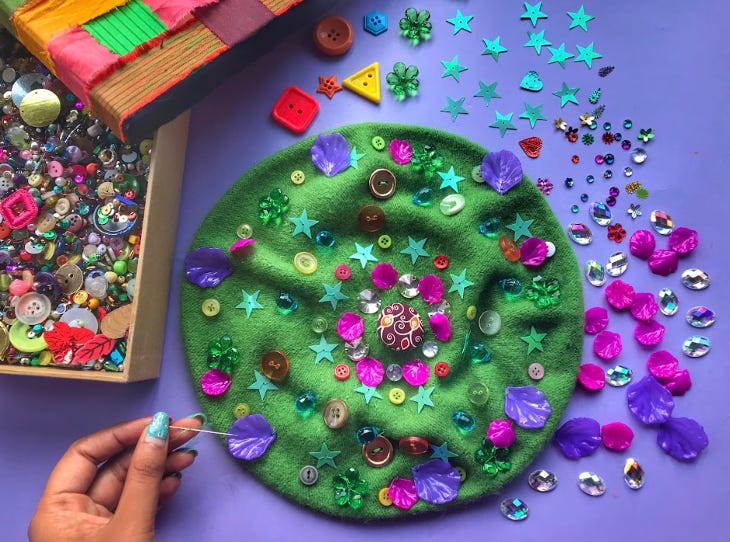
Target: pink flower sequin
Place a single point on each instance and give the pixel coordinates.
(616, 436)
(642, 243)
(619, 294)
(370, 371)
(683, 240)
(350, 326)
(401, 151)
(663, 262)
(431, 288)
(591, 377)
(596, 320)
(384, 276)
(644, 306)
(416, 372)
(441, 326)
(607, 345)
(533, 252)
(501, 433)
(649, 333)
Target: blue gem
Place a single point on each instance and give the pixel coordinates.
(285, 303)
(367, 434)
(490, 227)
(304, 404)
(464, 422)
(424, 197)
(511, 287)
(325, 239)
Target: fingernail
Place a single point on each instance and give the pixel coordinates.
(191, 451)
(202, 418)
(158, 428)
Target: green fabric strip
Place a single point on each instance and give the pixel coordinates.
(123, 29)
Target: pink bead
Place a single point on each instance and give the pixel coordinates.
(596, 320)
(616, 436)
(683, 240)
(663, 262)
(644, 306)
(18, 287)
(370, 371)
(591, 377)
(431, 288)
(679, 384)
(441, 326)
(533, 252)
(649, 333)
(607, 345)
(416, 372)
(662, 365)
(619, 294)
(350, 326)
(642, 244)
(384, 276)
(501, 433)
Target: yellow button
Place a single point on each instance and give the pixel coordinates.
(471, 312)
(211, 307)
(385, 242)
(384, 498)
(397, 396)
(305, 263)
(80, 297)
(462, 473)
(241, 410)
(45, 358)
(297, 176)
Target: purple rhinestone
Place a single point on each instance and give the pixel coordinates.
(599, 159)
(611, 201)
(613, 191)
(626, 144)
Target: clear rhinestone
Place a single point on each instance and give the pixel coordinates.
(638, 156)
(618, 376)
(628, 172)
(700, 317)
(662, 222)
(394, 372)
(594, 273)
(408, 286)
(357, 349)
(591, 484)
(695, 279)
(633, 474)
(668, 302)
(579, 233)
(369, 301)
(442, 307)
(600, 213)
(696, 346)
(490, 322)
(617, 264)
(430, 349)
(514, 509)
(542, 481)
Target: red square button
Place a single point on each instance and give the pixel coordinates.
(295, 109)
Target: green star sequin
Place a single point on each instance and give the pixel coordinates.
(503, 123)
(355, 157)
(452, 68)
(493, 47)
(333, 294)
(262, 384)
(566, 94)
(560, 55)
(415, 249)
(369, 392)
(533, 114)
(303, 224)
(250, 302)
(450, 179)
(521, 227)
(325, 456)
(460, 283)
(323, 350)
(587, 55)
(460, 22)
(423, 397)
(579, 18)
(363, 254)
(455, 108)
(537, 40)
(534, 340)
(533, 13)
(487, 92)
(442, 452)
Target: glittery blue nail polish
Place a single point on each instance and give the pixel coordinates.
(159, 426)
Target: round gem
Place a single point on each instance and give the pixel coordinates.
(628, 172)
(394, 372)
(408, 286)
(590, 179)
(491, 227)
(542, 481)
(369, 301)
(696, 346)
(638, 156)
(490, 322)
(367, 434)
(430, 349)
(325, 238)
(591, 484)
(477, 393)
(357, 349)
(304, 404)
(569, 182)
(514, 509)
(695, 279)
(464, 422)
(662, 222)
(600, 213)
(700, 317)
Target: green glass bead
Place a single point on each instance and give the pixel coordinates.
(511, 287)
(120, 267)
(286, 304)
(367, 434)
(478, 353)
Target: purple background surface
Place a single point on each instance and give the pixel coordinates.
(671, 61)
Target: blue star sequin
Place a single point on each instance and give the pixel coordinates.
(493, 47)
(452, 68)
(325, 456)
(369, 392)
(262, 384)
(560, 55)
(587, 55)
(250, 302)
(450, 179)
(533, 114)
(323, 350)
(487, 91)
(303, 224)
(459, 283)
(567, 94)
(423, 397)
(455, 108)
(579, 19)
(415, 249)
(460, 22)
(537, 40)
(333, 294)
(521, 227)
(355, 157)
(503, 123)
(442, 452)
(533, 13)
(363, 254)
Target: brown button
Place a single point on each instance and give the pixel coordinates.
(70, 278)
(275, 365)
(378, 453)
(335, 414)
(333, 35)
(413, 445)
(382, 183)
(371, 218)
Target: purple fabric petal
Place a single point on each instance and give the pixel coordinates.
(607, 345)
(331, 153)
(384, 275)
(663, 262)
(527, 406)
(207, 267)
(649, 333)
(644, 306)
(682, 438)
(533, 252)
(215, 382)
(440, 325)
(683, 240)
(350, 326)
(370, 371)
(596, 320)
(401, 151)
(431, 288)
(250, 436)
(436, 481)
(501, 170)
(642, 244)
(579, 437)
(416, 372)
(649, 401)
(402, 492)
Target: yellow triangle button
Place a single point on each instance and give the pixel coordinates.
(366, 82)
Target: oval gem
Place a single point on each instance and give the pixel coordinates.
(600, 213)
(595, 273)
(696, 346)
(700, 317)
(695, 279)
(580, 234)
(668, 302)
(662, 222)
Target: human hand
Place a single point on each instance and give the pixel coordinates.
(109, 485)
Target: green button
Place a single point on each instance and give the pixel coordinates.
(241, 410)
(244, 231)
(319, 325)
(476, 174)
(477, 393)
(378, 143)
(18, 337)
(385, 242)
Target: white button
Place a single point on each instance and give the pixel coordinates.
(490, 322)
(536, 371)
(32, 308)
(78, 317)
(550, 249)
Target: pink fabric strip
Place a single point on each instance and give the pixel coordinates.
(234, 20)
(172, 12)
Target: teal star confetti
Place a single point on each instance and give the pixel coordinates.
(579, 18)
(415, 249)
(333, 294)
(460, 283)
(323, 350)
(450, 179)
(487, 92)
(250, 302)
(423, 397)
(455, 108)
(363, 254)
(533, 13)
(533, 114)
(325, 456)
(493, 47)
(587, 55)
(560, 55)
(262, 384)
(303, 224)
(460, 22)
(537, 40)
(369, 392)
(355, 157)
(566, 94)
(452, 68)
(442, 452)
(521, 227)
(503, 123)
(534, 340)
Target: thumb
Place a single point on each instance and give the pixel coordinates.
(138, 502)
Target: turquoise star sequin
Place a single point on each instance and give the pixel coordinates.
(460, 22)
(560, 55)
(452, 68)
(455, 108)
(537, 40)
(533, 114)
(303, 224)
(521, 227)
(325, 456)
(566, 94)
(333, 294)
(534, 340)
(323, 350)
(493, 47)
(533, 13)
(450, 179)
(363, 254)
(442, 452)
(587, 55)
(369, 392)
(415, 249)
(503, 123)
(579, 18)
(262, 384)
(460, 283)
(250, 302)
(355, 157)
(487, 92)
(423, 397)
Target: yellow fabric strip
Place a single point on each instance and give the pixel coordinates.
(277, 7)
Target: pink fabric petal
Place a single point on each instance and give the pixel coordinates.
(533, 252)
(440, 325)
(350, 326)
(679, 384)
(662, 365)
(644, 306)
(401, 151)
(591, 376)
(663, 262)
(416, 372)
(384, 276)
(215, 382)
(242, 247)
(616, 436)
(607, 345)
(370, 371)
(683, 240)
(431, 288)
(501, 433)
(642, 244)
(402, 492)
(596, 320)
(649, 333)
(619, 294)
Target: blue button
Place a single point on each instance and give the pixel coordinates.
(375, 23)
